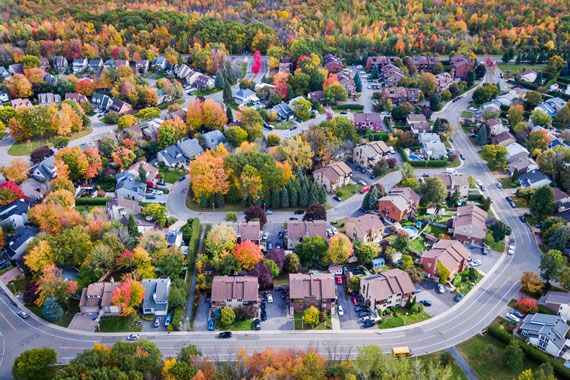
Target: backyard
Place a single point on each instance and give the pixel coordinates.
(402, 317)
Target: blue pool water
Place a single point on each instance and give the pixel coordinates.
(413, 157)
(411, 231)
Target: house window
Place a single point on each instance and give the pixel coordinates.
(229, 300)
(240, 300)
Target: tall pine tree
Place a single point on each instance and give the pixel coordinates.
(304, 196)
(275, 199)
(229, 114)
(314, 193)
(284, 197)
(373, 198)
(293, 194)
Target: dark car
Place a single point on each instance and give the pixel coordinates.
(281, 234)
(364, 314)
(458, 297)
(211, 324)
(522, 218)
(354, 293)
(299, 212)
(368, 323)
(359, 308)
(337, 198)
(263, 305)
(256, 324)
(181, 178)
(263, 315)
(269, 246)
(293, 218)
(224, 335)
(425, 302)
(150, 196)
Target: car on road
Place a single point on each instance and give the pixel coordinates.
(133, 337)
(156, 322)
(440, 288)
(364, 189)
(150, 196)
(181, 178)
(425, 303)
(475, 263)
(337, 198)
(224, 335)
(499, 185)
(22, 314)
(342, 112)
(299, 212)
(513, 318)
(368, 323)
(269, 212)
(361, 182)
(461, 156)
(340, 310)
(256, 324)
(168, 320)
(511, 250)
(522, 218)
(293, 218)
(292, 128)
(338, 280)
(458, 297)
(211, 324)
(269, 298)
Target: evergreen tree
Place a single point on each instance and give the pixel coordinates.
(51, 310)
(219, 200)
(132, 227)
(313, 193)
(275, 199)
(203, 201)
(482, 135)
(267, 198)
(366, 202)
(229, 75)
(375, 73)
(357, 82)
(229, 114)
(142, 173)
(227, 94)
(284, 197)
(293, 195)
(219, 81)
(470, 78)
(518, 59)
(373, 197)
(304, 196)
(322, 194)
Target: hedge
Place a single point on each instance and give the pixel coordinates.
(383, 136)
(559, 94)
(475, 197)
(531, 352)
(357, 107)
(194, 241)
(101, 201)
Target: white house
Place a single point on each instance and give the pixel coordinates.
(547, 332)
(156, 292)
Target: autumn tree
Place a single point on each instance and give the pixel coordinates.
(51, 284)
(221, 239)
(208, 175)
(339, 250)
(39, 257)
(17, 170)
(126, 121)
(527, 305)
(311, 316)
(214, 116)
(170, 132)
(128, 295)
(247, 254)
(9, 192)
(19, 87)
(252, 122)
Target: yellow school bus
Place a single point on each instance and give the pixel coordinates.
(401, 351)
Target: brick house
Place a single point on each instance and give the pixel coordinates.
(470, 224)
(401, 94)
(392, 74)
(452, 254)
(334, 175)
(461, 65)
(378, 60)
(297, 230)
(423, 62)
(318, 290)
(249, 231)
(503, 139)
(332, 63)
(455, 181)
(443, 81)
(235, 291)
(393, 287)
(399, 203)
(374, 121)
(370, 154)
(367, 228)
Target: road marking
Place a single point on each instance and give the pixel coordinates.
(10, 323)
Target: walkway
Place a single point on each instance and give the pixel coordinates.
(462, 363)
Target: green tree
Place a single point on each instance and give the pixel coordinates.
(235, 135)
(357, 82)
(551, 265)
(513, 355)
(311, 316)
(302, 108)
(335, 92)
(370, 362)
(485, 93)
(500, 230)
(177, 296)
(496, 156)
(311, 251)
(433, 191)
(35, 364)
(482, 135)
(228, 316)
(51, 310)
(435, 102)
(532, 99)
(252, 123)
(272, 266)
(559, 238)
(442, 272)
(542, 202)
(365, 252)
(292, 263)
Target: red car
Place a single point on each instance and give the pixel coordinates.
(354, 300)
(339, 280)
(364, 189)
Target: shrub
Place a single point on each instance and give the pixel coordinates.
(99, 201)
(231, 217)
(227, 317)
(311, 316)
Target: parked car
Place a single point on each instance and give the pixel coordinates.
(517, 313)
(425, 303)
(181, 178)
(264, 236)
(277, 245)
(156, 322)
(224, 335)
(499, 185)
(475, 263)
(354, 300)
(270, 298)
(359, 308)
(22, 314)
(150, 196)
(256, 324)
(458, 297)
(157, 192)
(211, 324)
(368, 323)
(364, 313)
(337, 198)
(361, 182)
(133, 337)
(263, 315)
(299, 212)
(281, 234)
(268, 212)
(440, 288)
(338, 280)
(293, 218)
(513, 318)
(340, 310)
(334, 230)
(262, 305)
(168, 320)
(364, 189)
(269, 246)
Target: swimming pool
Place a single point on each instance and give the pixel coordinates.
(411, 231)
(413, 157)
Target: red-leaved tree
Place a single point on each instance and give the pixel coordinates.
(128, 295)
(247, 254)
(256, 67)
(9, 192)
(527, 305)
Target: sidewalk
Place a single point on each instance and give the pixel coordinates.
(463, 364)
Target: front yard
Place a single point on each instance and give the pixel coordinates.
(171, 175)
(284, 125)
(347, 191)
(72, 309)
(402, 317)
(299, 325)
(497, 246)
(120, 324)
(24, 148)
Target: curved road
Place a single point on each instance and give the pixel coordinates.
(469, 317)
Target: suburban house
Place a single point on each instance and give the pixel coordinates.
(245, 96)
(401, 94)
(369, 154)
(392, 74)
(44, 63)
(547, 332)
(495, 127)
(14, 214)
(461, 65)
(367, 228)
(515, 151)
(129, 187)
(16, 68)
(4, 74)
(347, 82)
(332, 63)
(120, 208)
(34, 190)
(455, 182)
(283, 111)
(235, 291)
(95, 65)
(4, 96)
(96, 298)
(418, 123)
(297, 230)
(432, 147)
(59, 63)
(551, 106)
(23, 236)
(378, 60)
(213, 139)
(120, 107)
(152, 174)
(557, 302)
(528, 76)
(374, 121)
(49, 98)
(76, 97)
(393, 287)
(318, 290)
(399, 203)
(423, 63)
(141, 66)
(177, 155)
(332, 176)
(159, 63)
(285, 67)
(534, 179)
(156, 292)
(174, 238)
(50, 79)
(443, 81)
(19, 102)
(451, 254)
(503, 139)
(45, 170)
(249, 231)
(316, 96)
(78, 65)
(521, 165)
(101, 101)
(470, 224)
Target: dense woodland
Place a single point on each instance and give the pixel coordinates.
(353, 29)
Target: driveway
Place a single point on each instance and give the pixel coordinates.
(439, 302)
(277, 318)
(349, 320)
(202, 315)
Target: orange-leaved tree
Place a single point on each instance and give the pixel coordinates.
(128, 295)
(247, 253)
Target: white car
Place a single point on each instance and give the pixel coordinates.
(513, 318)
(478, 182)
(440, 289)
(265, 235)
(329, 232)
(340, 310)
(270, 298)
(334, 230)
(475, 263)
(157, 192)
(511, 250)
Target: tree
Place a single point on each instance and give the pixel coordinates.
(495, 155)
(208, 175)
(255, 213)
(170, 132)
(51, 284)
(513, 355)
(17, 170)
(35, 364)
(542, 202)
(482, 135)
(527, 305)
(302, 108)
(51, 310)
(292, 263)
(214, 116)
(551, 265)
(500, 230)
(273, 139)
(442, 272)
(277, 255)
(427, 83)
(433, 191)
(39, 257)
(263, 274)
(357, 82)
(339, 250)
(155, 211)
(532, 99)
(335, 92)
(221, 239)
(435, 102)
(235, 135)
(128, 295)
(228, 316)
(41, 153)
(530, 283)
(19, 87)
(365, 252)
(554, 66)
(311, 316)
(311, 250)
(485, 93)
(315, 211)
(170, 262)
(251, 122)
(247, 254)
(516, 114)
(297, 151)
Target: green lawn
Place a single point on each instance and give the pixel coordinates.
(18, 285)
(120, 324)
(484, 355)
(284, 125)
(205, 92)
(281, 280)
(23, 148)
(326, 325)
(508, 183)
(401, 319)
(466, 114)
(171, 175)
(495, 246)
(515, 69)
(418, 244)
(348, 191)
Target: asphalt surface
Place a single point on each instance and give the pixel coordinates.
(467, 318)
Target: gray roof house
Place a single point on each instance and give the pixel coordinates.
(95, 64)
(432, 147)
(14, 214)
(79, 65)
(45, 170)
(190, 147)
(213, 138)
(59, 63)
(121, 208)
(244, 96)
(17, 245)
(101, 101)
(547, 332)
(48, 98)
(155, 296)
(34, 190)
(4, 74)
(174, 238)
(283, 111)
(178, 154)
(159, 63)
(4, 96)
(558, 302)
(534, 178)
(129, 187)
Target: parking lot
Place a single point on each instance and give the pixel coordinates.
(272, 230)
(439, 302)
(277, 318)
(349, 320)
